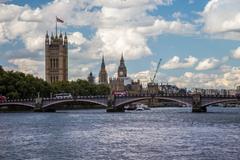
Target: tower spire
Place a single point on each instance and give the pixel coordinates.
(122, 70)
(103, 77)
(46, 34)
(122, 59)
(56, 26)
(65, 39)
(47, 39)
(103, 62)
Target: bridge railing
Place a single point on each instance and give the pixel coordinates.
(17, 100)
(75, 97)
(118, 96)
(153, 95)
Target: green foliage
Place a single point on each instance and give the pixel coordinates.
(80, 88)
(20, 85)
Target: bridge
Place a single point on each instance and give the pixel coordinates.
(199, 103)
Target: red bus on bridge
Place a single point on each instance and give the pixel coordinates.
(120, 93)
(2, 99)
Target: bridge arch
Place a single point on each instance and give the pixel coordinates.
(147, 98)
(72, 100)
(16, 104)
(219, 101)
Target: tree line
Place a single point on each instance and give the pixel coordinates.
(15, 84)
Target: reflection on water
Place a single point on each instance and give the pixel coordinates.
(161, 133)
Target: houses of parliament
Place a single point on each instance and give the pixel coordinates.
(56, 66)
(56, 58)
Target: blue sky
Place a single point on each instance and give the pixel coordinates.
(198, 40)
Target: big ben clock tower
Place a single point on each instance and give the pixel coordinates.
(122, 70)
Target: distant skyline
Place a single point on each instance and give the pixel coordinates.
(198, 40)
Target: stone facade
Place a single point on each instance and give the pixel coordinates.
(153, 88)
(103, 76)
(117, 84)
(56, 58)
(135, 88)
(122, 69)
(91, 78)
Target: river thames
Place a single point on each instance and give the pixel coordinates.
(158, 134)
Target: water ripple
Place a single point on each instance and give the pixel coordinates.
(168, 133)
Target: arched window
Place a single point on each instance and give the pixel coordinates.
(57, 63)
(54, 63)
(51, 63)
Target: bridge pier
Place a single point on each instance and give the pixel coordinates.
(116, 109)
(197, 104)
(39, 109)
(39, 104)
(199, 109)
(111, 105)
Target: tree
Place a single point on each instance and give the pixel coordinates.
(19, 85)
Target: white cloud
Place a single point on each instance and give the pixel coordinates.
(34, 43)
(9, 12)
(31, 15)
(162, 26)
(225, 68)
(28, 66)
(115, 33)
(209, 63)
(202, 80)
(221, 80)
(177, 15)
(80, 71)
(236, 53)
(193, 80)
(3, 38)
(176, 63)
(123, 40)
(111, 68)
(143, 76)
(222, 17)
(76, 38)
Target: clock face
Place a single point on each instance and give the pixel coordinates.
(121, 73)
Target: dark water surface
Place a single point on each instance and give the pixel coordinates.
(161, 133)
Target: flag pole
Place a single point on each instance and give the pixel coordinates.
(56, 26)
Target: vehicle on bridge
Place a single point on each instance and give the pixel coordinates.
(237, 94)
(63, 96)
(120, 93)
(2, 99)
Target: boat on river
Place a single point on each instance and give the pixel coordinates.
(137, 107)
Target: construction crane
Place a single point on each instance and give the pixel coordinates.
(155, 74)
(152, 86)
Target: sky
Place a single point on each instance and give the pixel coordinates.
(198, 40)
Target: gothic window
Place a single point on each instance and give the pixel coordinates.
(51, 63)
(54, 63)
(57, 63)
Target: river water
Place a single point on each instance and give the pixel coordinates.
(158, 134)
